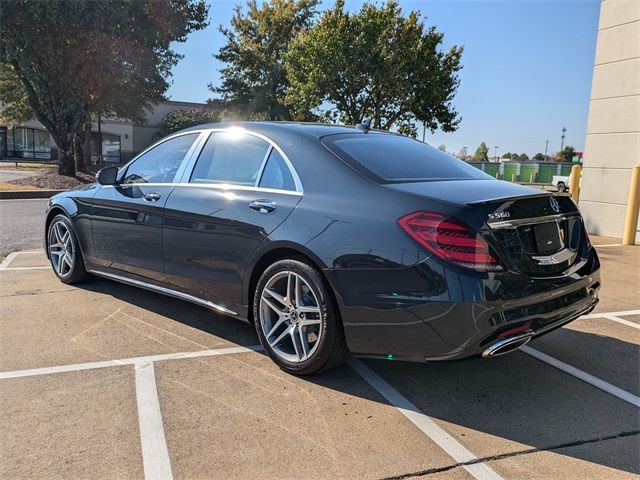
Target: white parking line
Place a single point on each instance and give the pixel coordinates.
(622, 321)
(431, 429)
(155, 456)
(25, 268)
(9, 258)
(584, 376)
(606, 314)
(12, 256)
(126, 361)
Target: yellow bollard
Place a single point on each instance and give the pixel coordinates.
(633, 205)
(574, 182)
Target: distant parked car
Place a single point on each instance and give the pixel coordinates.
(561, 182)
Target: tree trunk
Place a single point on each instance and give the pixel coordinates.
(66, 157)
(82, 146)
(86, 146)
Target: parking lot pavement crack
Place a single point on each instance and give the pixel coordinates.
(528, 451)
(28, 293)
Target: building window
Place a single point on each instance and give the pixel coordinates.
(105, 148)
(25, 142)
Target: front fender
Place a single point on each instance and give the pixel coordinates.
(77, 205)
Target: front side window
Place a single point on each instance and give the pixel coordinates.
(230, 157)
(161, 163)
(277, 174)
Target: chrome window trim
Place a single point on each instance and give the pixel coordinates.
(190, 165)
(217, 186)
(123, 169)
(531, 221)
(164, 290)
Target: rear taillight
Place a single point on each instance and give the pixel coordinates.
(450, 239)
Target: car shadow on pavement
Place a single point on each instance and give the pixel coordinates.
(237, 331)
(506, 405)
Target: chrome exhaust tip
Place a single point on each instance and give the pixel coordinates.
(507, 345)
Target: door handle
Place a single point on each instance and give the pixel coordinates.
(151, 196)
(263, 206)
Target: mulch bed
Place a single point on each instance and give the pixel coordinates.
(52, 181)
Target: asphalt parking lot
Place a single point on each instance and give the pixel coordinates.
(103, 380)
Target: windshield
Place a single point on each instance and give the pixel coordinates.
(396, 159)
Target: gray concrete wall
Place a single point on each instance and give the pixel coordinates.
(612, 144)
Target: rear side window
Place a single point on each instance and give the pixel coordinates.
(393, 158)
(230, 157)
(276, 173)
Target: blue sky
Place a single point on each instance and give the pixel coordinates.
(527, 68)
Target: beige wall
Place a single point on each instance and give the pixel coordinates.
(612, 144)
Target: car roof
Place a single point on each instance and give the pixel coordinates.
(318, 130)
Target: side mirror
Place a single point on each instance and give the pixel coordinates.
(107, 176)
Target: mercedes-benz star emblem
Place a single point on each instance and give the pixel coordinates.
(555, 206)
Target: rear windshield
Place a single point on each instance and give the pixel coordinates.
(395, 159)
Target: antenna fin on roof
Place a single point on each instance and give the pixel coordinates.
(365, 126)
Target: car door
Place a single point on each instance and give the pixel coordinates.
(127, 217)
(239, 190)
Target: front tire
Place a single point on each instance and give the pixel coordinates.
(64, 251)
(561, 187)
(297, 319)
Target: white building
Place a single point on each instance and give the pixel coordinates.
(612, 144)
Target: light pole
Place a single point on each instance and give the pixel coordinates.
(496, 152)
(546, 147)
(564, 130)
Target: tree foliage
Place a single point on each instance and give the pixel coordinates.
(179, 119)
(72, 58)
(378, 64)
(482, 153)
(254, 80)
(539, 157)
(566, 154)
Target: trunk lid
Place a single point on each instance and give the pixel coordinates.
(531, 230)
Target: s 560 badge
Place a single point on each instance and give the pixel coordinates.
(499, 215)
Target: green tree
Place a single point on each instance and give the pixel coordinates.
(179, 119)
(523, 157)
(378, 64)
(254, 79)
(73, 58)
(566, 154)
(482, 153)
(506, 155)
(539, 157)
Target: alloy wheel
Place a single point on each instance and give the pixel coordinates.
(61, 249)
(291, 317)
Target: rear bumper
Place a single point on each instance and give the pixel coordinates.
(433, 312)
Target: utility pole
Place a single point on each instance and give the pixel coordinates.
(424, 130)
(496, 152)
(546, 148)
(564, 130)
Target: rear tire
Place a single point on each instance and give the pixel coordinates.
(64, 252)
(297, 318)
(561, 187)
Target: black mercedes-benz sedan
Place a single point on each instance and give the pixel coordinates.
(332, 240)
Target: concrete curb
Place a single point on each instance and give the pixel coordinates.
(26, 194)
